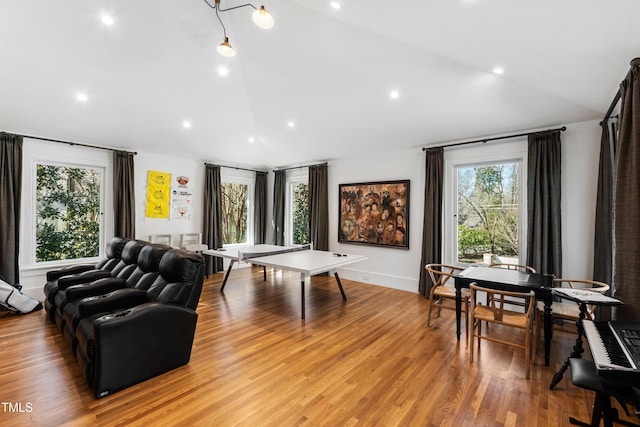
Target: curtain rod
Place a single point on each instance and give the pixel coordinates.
(634, 63)
(233, 167)
(66, 142)
(299, 167)
(495, 138)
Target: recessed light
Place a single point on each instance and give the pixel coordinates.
(223, 71)
(394, 94)
(336, 5)
(82, 97)
(107, 20)
(252, 139)
(291, 124)
(498, 70)
(186, 124)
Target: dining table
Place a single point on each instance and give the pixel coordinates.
(513, 281)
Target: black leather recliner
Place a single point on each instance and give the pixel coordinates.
(123, 269)
(131, 335)
(146, 271)
(113, 252)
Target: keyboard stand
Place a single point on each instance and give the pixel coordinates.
(577, 348)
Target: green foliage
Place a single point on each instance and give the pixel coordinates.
(488, 199)
(68, 213)
(234, 213)
(300, 213)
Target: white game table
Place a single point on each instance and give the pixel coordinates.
(301, 259)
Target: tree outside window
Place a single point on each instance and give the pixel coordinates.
(234, 213)
(68, 214)
(488, 206)
(300, 209)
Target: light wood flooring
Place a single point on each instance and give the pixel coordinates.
(369, 361)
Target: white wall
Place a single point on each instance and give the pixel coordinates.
(194, 169)
(395, 268)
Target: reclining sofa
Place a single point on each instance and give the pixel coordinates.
(125, 330)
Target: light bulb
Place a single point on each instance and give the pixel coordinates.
(262, 18)
(225, 48)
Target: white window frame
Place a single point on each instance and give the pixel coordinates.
(237, 176)
(496, 153)
(294, 176)
(34, 153)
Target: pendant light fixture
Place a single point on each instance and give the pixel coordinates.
(260, 17)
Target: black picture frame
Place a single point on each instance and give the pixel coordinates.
(374, 213)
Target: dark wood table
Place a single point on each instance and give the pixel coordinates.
(514, 281)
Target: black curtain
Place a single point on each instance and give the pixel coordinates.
(10, 191)
(544, 244)
(432, 225)
(279, 194)
(124, 203)
(603, 236)
(319, 207)
(260, 210)
(212, 216)
(627, 199)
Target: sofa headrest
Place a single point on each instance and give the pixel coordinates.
(179, 265)
(115, 246)
(150, 256)
(131, 251)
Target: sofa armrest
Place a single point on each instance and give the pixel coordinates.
(68, 271)
(117, 300)
(99, 287)
(139, 343)
(85, 277)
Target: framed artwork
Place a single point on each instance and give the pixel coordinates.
(375, 213)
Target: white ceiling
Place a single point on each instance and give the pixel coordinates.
(329, 71)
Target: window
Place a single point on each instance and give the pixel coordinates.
(484, 211)
(300, 209)
(487, 214)
(237, 209)
(297, 208)
(68, 212)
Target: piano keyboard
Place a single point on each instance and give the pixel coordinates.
(607, 348)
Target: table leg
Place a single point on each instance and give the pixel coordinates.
(577, 349)
(458, 311)
(226, 275)
(344, 297)
(302, 280)
(548, 328)
(264, 273)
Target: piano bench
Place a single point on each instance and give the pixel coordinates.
(585, 375)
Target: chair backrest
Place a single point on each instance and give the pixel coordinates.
(129, 260)
(523, 268)
(190, 239)
(591, 285)
(113, 253)
(162, 239)
(148, 266)
(180, 280)
(496, 300)
(440, 273)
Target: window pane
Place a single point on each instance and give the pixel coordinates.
(488, 199)
(234, 213)
(67, 212)
(300, 210)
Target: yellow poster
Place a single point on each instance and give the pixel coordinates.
(158, 194)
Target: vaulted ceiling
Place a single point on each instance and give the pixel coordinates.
(329, 72)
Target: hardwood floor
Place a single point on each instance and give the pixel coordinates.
(368, 361)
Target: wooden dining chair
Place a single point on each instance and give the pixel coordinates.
(495, 312)
(442, 291)
(566, 309)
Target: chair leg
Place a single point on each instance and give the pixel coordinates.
(472, 333)
(466, 315)
(527, 352)
(537, 331)
(429, 314)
